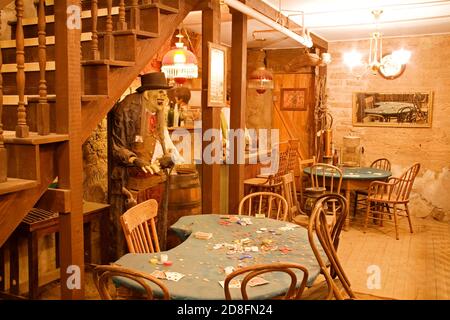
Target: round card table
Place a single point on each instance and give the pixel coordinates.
(355, 178)
(203, 262)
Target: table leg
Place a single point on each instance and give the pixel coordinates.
(347, 219)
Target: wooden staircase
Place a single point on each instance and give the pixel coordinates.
(118, 39)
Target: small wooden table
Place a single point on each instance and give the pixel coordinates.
(355, 178)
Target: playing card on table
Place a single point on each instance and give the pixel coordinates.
(234, 284)
(173, 276)
(257, 281)
(159, 274)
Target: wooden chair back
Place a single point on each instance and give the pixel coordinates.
(381, 163)
(290, 194)
(138, 224)
(104, 273)
(268, 203)
(319, 231)
(296, 288)
(397, 189)
(326, 176)
(404, 186)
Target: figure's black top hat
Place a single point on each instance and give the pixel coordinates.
(153, 81)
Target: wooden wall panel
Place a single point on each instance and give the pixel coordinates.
(295, 124)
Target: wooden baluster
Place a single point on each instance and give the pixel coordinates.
(122, 24)
(3, 165)
(95, 54)
(135, 15)
(43, 112)
(109, 38)
(22, 130)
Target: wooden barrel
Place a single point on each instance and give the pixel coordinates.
(184, 199)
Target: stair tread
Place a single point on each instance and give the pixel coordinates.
(138, 33)
(102, 12)
(29, 67)
(162, 7)
(34, 138)
(34, 42)
(11, 100)
(90, 97)
(114, 63)
(14, 185)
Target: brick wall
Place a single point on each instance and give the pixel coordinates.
(428, 70)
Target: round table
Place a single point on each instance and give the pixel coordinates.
(203, 261)
(355, 178)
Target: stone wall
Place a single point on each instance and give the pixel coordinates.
(95, 165)
(428, 70)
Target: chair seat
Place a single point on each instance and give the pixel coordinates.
(315, 189)
(255, 181)
(303, 220)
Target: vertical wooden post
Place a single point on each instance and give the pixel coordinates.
(22, 130)
(43, 112)
(238, 102)
(122, 24)
(95, 54)
(210, 116)
(135, 15)
(70, 167)
(3, 159)
(109, 38)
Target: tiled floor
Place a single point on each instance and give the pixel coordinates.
(415, 267)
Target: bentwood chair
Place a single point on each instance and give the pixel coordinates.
(320, 233)
(104, 273)
(381, 163)
(391, 198)
(297, 273)
(139, 227)
(272, 205)
(325, 179)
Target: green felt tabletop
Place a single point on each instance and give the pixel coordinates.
(356, 173)
(203, 266)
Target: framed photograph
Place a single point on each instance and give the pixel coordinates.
(392, 109)
(293, 99)
(217, 88)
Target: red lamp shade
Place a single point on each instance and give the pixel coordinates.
(180, 64)
(261, 79)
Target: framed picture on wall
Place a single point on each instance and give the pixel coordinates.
(217, 92)
(293, 99)
(392, 109)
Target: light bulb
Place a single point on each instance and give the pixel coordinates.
(401, 56)
(352, 59)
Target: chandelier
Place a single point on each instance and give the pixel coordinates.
(180, 64)
(389, 66)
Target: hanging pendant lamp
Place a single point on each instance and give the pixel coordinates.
(179, 63)
(261, 79)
